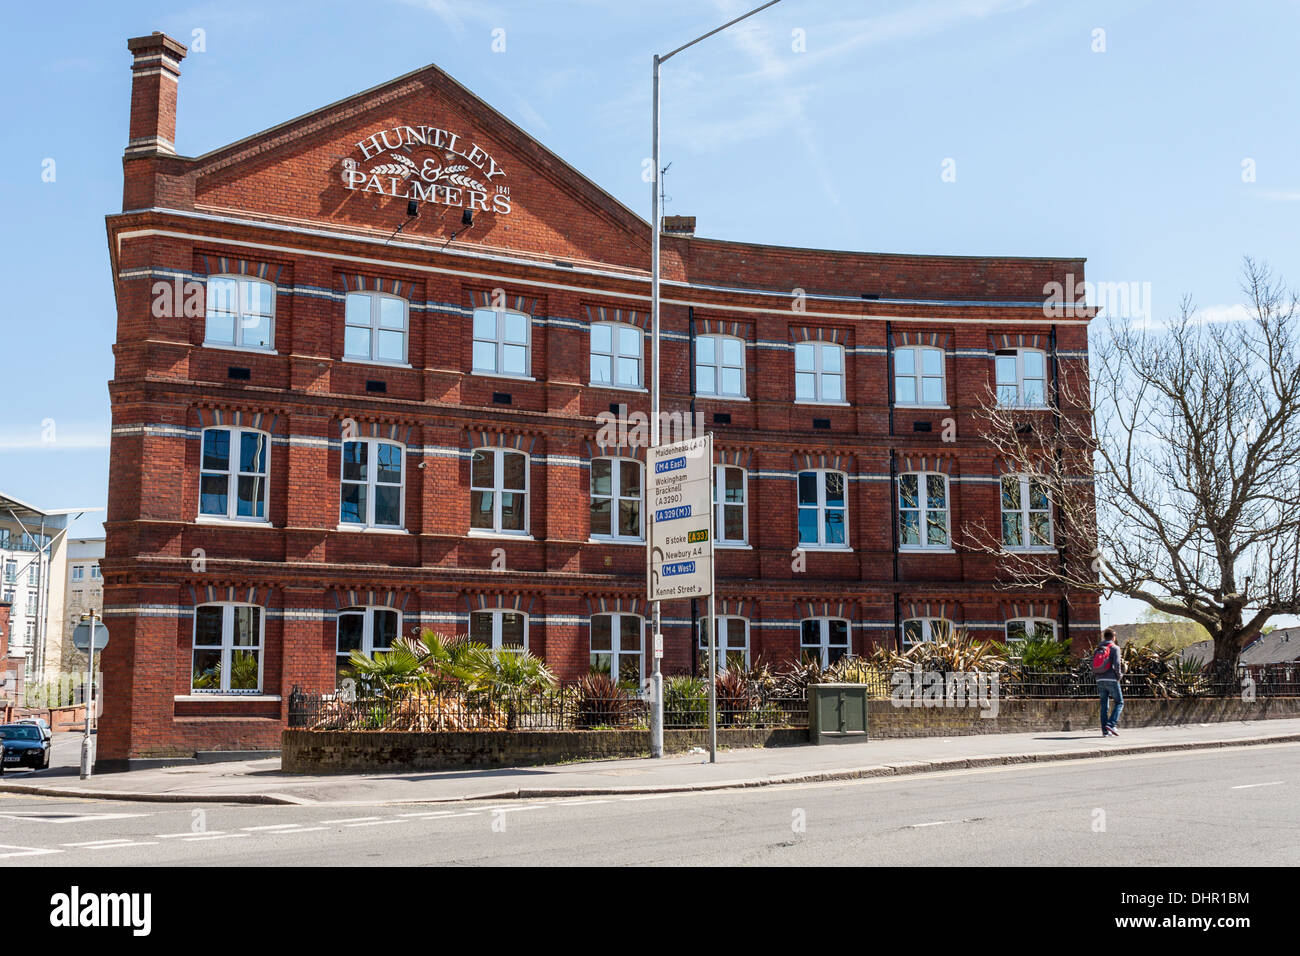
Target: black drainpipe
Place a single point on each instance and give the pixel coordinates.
(893, 537)
(1056, 417)
(889, 371)
(690, 333)
(1056, 385)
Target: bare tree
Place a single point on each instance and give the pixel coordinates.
(1192, 500)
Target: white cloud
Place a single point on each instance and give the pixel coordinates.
(1224, 313)
(454, 13)
(892, 28)
(1278, 195)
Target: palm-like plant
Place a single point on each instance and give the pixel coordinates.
(1037, 653)
(430, 661)
(400, 668)
(959, 652)
(243, 673)
(507, 672)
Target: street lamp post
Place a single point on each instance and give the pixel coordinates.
(657, 677)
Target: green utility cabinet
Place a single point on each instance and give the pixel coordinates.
(837, 713)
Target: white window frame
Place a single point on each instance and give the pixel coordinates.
(615, 498)
(371, 482)
(923, 511)
(239, 315)
(95, 572)
(819, 372)
(720, 504)
(822, 508)
(498, 488)
(233, 473)
(498, 614)
(918, 376)
(823, 645)
(367, 614)
(616, 650)
(375, 326)
(1025, 513)
(499, 344)
(702, 646)
(227, 647)
(718, 365)
(1019, 383)
(1030, 625)
(615, 354)
(928, 627)
(78, 572)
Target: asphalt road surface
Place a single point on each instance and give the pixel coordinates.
(1218, 807)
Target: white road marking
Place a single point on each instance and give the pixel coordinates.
(25, 851)
(37, 816)
(1251, 786)
(187, 833)
(274, 826)
(194, 838)
(373, 823)
(936, 823)
(580, 803)
(653, 796)
(118, 846)
(517, 809)
(97, 842)
(303, 830)
(350, 820)
(428, 814)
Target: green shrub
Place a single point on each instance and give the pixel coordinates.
(602, 703)
(686, 702)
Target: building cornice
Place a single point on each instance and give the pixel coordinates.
(599, 272)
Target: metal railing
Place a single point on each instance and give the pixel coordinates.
(564, 707)
(570, 706)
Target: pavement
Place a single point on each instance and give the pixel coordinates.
(262, 781)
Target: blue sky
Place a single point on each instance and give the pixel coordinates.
(1137, 157)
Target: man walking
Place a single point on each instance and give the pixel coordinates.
(1108, 669)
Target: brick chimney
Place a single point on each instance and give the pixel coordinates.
(155, 78)
(679, 225)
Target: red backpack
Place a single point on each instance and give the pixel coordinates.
(1101, 659)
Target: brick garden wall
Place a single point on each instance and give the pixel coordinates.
(330, 751)
(1048, 716)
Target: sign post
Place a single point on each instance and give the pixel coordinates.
(656, 225)
(89, 637)
(681, 539)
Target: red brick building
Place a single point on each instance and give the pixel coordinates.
(327, 430)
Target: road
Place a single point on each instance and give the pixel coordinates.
(1217, 807)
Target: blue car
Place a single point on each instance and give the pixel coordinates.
(24, 746)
